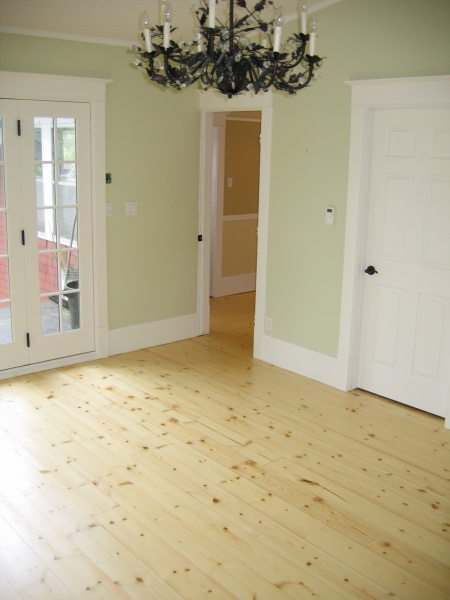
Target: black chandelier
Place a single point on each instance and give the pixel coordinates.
(225, 57)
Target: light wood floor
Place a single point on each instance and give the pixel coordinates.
(192, 471)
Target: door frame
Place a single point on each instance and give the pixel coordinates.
(58, 88)
(211, 102)
(368, 95)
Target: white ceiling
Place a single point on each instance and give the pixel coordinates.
(112, 21)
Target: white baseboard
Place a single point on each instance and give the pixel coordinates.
(447, 413)
(238, 284)
(156, 333)
(302, 361)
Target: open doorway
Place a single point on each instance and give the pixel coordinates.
(234, 202)
(210, 104)
(234, 225)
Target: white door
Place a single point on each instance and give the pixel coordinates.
(405, 335)
(46, 306)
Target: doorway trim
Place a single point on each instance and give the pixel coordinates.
(58, 88)
(368, 95)
(211, 102)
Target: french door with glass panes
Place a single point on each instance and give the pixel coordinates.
(46, 287)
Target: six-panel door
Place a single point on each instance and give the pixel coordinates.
(405, 341)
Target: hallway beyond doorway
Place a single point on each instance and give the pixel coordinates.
(232, 323)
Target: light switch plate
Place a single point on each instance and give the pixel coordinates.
(131, 209)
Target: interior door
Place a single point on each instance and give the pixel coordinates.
(50, 268)
(405, 336)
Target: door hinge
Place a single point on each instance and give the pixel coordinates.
(19, 128)
(23, 237)
(28, 340)
(200, 238)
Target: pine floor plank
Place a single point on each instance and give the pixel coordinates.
(192, 471)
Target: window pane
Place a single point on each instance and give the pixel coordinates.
(68, 228)
(43, 138)
(48, 273)
(50, 315)
(66, 139)
(45, 184)
(2, 187)
(5, 323)
(69, 268)
(3, 238)
(2, 157)
(4, 279)
(73, 322)
(67, 183)
(47, 225)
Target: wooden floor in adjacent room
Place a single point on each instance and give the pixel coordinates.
(192, 471)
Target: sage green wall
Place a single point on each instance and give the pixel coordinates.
(362, 39)
(152, 151)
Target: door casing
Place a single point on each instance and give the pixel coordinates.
(210, 103)
(26, 86)
(368, 95)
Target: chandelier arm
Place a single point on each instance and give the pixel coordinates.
(272, 77)
(167, 69)
(305, 83)
(253, 75)
(299, 60)
(200, 65)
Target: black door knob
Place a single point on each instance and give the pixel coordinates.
(370, 270)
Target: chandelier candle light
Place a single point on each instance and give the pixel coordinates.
(233, 57)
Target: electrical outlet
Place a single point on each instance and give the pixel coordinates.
(230, 182)
(269, 323)
(109, 209)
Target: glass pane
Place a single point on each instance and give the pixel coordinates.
(5, 323)
(2, 187)
(3, 238)
(66, 139)
(67, 184)
(50, 315)
(48, 273)
(69, 269)
(4, 279)
(2, 157)
(72, 319)
(43, 138)
(47, 225)
(45, 184)
(68, 223)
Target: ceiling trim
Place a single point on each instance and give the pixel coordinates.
(59, 35)
(312, 9)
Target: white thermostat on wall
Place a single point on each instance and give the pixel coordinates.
(329, 219)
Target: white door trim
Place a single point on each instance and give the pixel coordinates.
(419, 92)
(31, 86)
(211, 102)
